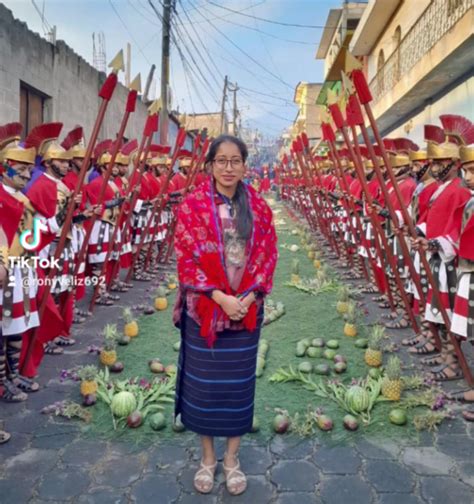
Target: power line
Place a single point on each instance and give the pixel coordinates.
(129, 32)
(217, 18)
(271, 21)
(203, 45)
(246, 53)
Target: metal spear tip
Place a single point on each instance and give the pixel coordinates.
(351, 63)
(136, 84)
(155, 107)
(332, 97)
(117, 63)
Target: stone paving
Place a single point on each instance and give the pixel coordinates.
(47, 459)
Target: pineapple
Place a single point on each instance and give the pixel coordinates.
(295, 272)
(373, 354)
(161, 303)
(130, 328)
(172, 282)
(350, 329)
(343, 300)
(88, 374)
(108, 355)
(392, 384)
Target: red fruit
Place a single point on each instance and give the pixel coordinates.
(134, 420)
(325, 423)
(281, 423)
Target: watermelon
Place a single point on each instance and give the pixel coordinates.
(177, 346)
(340, 367)
(332, 344)
(300, 349)
(313, 352)
(361, 343)
(306, 342)
(318, 342)
(329, 354)
(157, 421)
(261, 362)
(398, 416)
(305, 367)
(255, 425)
(123, 404)
(322, 369)
(357, 398)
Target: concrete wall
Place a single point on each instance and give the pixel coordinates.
(458, 101)
(57, 71)
(405, 17)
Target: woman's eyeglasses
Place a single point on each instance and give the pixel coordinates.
(234, 162)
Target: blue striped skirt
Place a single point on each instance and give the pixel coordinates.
(215, 387)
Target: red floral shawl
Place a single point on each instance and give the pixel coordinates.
(200, 258)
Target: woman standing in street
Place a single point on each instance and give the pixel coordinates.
(226, 255)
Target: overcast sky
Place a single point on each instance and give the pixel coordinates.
(272, 62)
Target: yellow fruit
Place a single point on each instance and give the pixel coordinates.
(317, 263)
(311, 254)
(161, 303)
(172, 286)
(88, 387)
(131, 329)
(373, 358)
(295, 278)
(392, 389)
(350, 330)
(108, 357)
(342, 307)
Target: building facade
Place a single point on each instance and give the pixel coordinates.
(42, 82)
(307, 118)
(419, 62)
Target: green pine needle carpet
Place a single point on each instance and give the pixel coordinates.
(306, 316)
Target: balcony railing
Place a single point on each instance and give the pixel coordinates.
(437, 19)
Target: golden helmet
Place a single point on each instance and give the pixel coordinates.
(466, 154)
(18, 154)
(419, 155)
(159, 161)
(368, 164)
(122, 159)
(78, 151)
(399, 160)
(446, 150)
(55, 151)
(104, 159)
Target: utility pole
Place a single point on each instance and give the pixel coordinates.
(165, 70)
(224, 97)
(236, 112)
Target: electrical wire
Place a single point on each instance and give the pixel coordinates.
(129, 32)
(246, 53)
(271, 21)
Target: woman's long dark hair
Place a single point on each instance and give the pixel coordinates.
(243, 213)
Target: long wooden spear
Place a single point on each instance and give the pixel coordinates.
(341, 125)
(151, 127)
(189, 184)
(158, 213)
(364, 97)
(105, 93)
(180, 138)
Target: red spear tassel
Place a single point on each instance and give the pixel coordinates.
(336, 115)
(362, 88)
(328, 132)
(305, 139)
(108, 87)
(131, 101)
(353, 108)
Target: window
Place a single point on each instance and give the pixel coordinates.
(380, 70)
(397, 38)
(32, 104)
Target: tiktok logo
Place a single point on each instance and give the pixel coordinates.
(30, 238)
